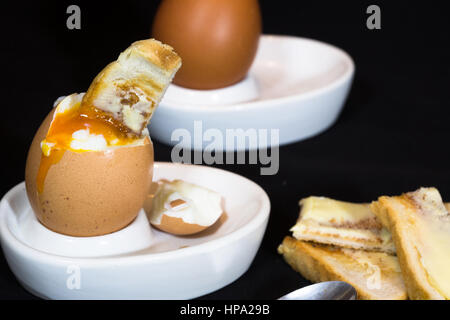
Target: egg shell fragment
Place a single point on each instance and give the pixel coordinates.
(177, 226)
(182, 208)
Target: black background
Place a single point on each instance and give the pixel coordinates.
(391, 137)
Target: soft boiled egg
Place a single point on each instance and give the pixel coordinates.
(182, 208)
(83, 176)
(90, 165)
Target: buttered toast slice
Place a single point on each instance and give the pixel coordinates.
(374, 275)
(131, 87)
(420, 226)
(339, 223)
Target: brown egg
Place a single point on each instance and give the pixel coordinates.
(89, 193)
(217, 39)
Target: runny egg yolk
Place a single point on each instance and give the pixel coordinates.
(79, 117)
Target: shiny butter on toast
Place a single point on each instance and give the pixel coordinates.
(420, 226)
(350, 225)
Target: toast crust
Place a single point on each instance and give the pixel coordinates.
(402, 216)
(326, 263)
(161, 55)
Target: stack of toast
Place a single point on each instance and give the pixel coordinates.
(392, 249)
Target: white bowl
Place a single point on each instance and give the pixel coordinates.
(136, 263)
(295, 85)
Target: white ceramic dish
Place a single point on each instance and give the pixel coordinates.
(138, 262)
(295, 85)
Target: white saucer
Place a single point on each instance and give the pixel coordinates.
(138, 262)
(296, 85)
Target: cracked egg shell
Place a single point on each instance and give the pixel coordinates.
(178, 226)
(89, 193)
(182, 208)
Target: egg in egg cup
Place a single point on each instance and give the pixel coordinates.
(89, 167)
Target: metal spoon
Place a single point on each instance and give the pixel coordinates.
(330, 290)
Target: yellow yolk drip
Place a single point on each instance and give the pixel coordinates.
(46, 163)
(79, 117)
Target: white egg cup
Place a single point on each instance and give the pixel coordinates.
(295, 85)
(243, 91)
(136, 236)
(138, 262)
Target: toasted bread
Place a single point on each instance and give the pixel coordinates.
(420, 226)
(130, 88)
(374, 275)
(344, 224)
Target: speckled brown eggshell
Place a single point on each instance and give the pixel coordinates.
(89, 193)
